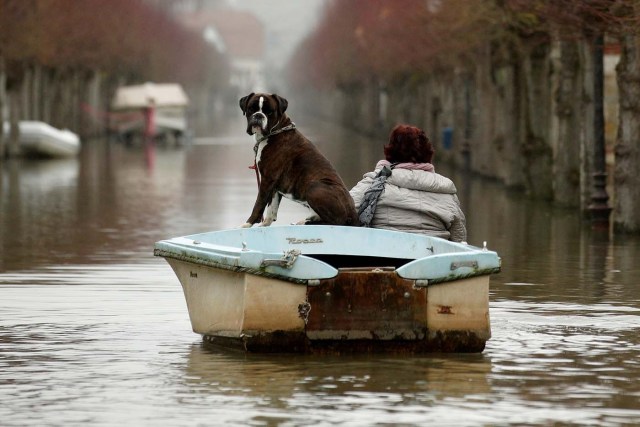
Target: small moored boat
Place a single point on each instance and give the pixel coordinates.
(321, 288)
(170, 103)
(39, 139)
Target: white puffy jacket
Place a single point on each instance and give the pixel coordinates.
(416, 201)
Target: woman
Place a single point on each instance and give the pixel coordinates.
(411, 196)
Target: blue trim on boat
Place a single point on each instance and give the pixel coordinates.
(268, 250)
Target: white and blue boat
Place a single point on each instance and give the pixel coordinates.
(315, 288)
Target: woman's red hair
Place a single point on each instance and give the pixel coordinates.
(408, 144)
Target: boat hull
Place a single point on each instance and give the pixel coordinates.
(39, 139)
(358, 310)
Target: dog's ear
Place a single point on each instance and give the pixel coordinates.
(243, 102)
(282, 103)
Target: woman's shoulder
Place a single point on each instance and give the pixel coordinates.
(422, 180)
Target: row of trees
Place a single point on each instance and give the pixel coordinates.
(517, 80)
(390, 40)
(61, 60)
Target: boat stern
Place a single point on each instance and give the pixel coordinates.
(368, 310)
(323, 289)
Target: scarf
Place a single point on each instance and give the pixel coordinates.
(370, 198)
(411, 166)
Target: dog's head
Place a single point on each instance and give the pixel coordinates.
(263, 111)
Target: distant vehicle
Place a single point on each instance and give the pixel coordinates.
(169, 102)
(39, 139)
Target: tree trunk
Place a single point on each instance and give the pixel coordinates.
(627, 151)
(92, 118)
(58, 98)
(599, 207)
(587, 128)
(15, 114)
(3, 106)
(515, 176)
(566, 124)
(25, 94)
(76, 97)
(47, 96)
(534, 94)
(36, 93)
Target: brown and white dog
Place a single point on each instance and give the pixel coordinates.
(288, 164)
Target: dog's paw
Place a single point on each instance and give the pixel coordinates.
(267, 222)
(308, 220)
(246, 225)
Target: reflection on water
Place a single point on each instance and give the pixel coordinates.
(335, 389)
(94, 330)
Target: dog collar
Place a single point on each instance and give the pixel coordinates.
(292, 126)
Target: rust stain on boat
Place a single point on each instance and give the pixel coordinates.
(359, 304)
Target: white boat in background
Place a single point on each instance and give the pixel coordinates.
(39, 139)
(316, 288)
(169, 101)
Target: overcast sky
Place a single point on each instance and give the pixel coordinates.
(287, 22)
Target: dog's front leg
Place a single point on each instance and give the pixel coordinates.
(258, 210)
(265, 195)
(272, 210)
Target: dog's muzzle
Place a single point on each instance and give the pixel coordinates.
(257, 123)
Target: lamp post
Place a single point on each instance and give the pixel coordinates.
(599, 208)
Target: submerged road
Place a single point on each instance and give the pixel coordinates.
(94, 330)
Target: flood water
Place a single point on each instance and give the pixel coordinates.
(94, 330)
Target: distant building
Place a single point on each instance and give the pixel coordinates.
(239, 35)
